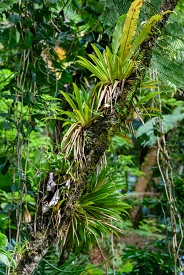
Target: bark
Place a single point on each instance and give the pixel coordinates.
(50, 227)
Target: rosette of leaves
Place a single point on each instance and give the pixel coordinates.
(100, 204)
(118, 63)
(82, 114)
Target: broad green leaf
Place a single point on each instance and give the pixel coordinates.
(129, 28)
(146, 98)
(110, 63)
(28, 39)
(76, 165)
(44, 89)
(94, 231)
(4, 259)
(149, 114)
(84, 95)
(117, 34)
(72, 175)
(95, 197)
(14, 18)
(3, 240)
(73, 97)
(149, 84)
(69, 114)
(86, 203)
(153, 109)
(3, 6)
(127, 69)
(48, 97)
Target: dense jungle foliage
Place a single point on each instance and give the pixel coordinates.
(92, 137)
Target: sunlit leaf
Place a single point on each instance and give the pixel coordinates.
(3, 240)
(146, 98)
(145, 31)
(4, 259)
(129, 28)
(69, 100)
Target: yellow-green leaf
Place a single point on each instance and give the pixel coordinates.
(124, 137)
(110, 62)
(94, 69)
(99, 64)
(98, 53)
(145, 30)
(150, 84)
(81, 118)
(146, 98)
(129, 28)
(87, 112)
(153, 109)
(69, 100)
(78, 96)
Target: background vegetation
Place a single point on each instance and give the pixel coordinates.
(47, 103)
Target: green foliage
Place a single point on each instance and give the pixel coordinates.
(74, 265)
(31, 78)
(113, 9)
(83, 113)
(116, 65)
(150, 226)
(146, 98)
(82, 106)
(117, 33)
(129, 29)
(100, 204)
(5, 256)
(168, 55)
(5, 77)
(150, 129)
(148, 262)
(92, 270)
(88, 13)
